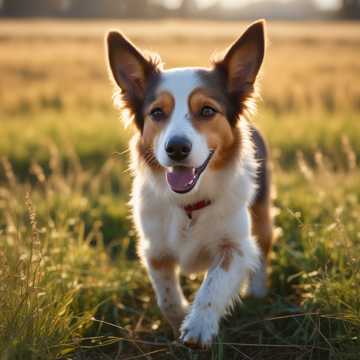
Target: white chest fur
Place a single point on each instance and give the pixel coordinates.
(165, 230)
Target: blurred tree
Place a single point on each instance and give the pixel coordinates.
(350, 9)
(76, 8)
(15, 7)
(29, 8)
(187, 8)
(136, 8)
(62, 7)
(86, 8)
(109, 8)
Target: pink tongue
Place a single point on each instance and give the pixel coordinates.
(179, 177)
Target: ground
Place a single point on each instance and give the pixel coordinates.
(71, 285)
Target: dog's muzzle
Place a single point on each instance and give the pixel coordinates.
(182, 179)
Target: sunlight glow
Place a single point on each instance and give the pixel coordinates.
(323, 4)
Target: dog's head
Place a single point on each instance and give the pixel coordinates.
(187, 117)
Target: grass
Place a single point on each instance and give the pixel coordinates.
(71, 286)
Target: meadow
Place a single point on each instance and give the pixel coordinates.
(71, 286)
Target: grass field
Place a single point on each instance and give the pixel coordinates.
(70, 284)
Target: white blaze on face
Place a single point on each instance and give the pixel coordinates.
(180, 83)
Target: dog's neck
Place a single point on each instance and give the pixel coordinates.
(190, 208)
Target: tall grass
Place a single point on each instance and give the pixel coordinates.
(70, 284)
(57, 275)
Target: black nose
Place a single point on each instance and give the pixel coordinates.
(178, 148)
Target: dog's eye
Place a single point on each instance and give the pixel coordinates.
(207, 112)
(157, 114)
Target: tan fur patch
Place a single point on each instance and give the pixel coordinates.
(164, 101)
(200, 262)
(152, 128)
(221, 137)
(262, 226)
(162, 263)
(227, 250)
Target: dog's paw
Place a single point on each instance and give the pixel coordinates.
(175, 318)
(199, 329)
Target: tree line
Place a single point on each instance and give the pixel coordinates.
(349, 9)
(92, 8)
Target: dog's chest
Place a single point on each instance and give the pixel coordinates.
(165, 229)
(194, 241)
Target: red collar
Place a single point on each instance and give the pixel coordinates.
(197, 206)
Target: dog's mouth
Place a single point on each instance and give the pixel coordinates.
(182, 179)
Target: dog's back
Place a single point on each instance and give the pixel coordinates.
(261, 209)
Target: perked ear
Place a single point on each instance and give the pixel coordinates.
(129, 67)
(130, 70)
(243, 59)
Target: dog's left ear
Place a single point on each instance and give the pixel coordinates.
(129, 67)
(243, 59)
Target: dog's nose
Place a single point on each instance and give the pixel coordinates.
(178, 148)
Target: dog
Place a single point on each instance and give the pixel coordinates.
(201, 189)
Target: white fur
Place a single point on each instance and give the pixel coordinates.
(165, 230)
(170, 297)
(180, 83)
(218, 291)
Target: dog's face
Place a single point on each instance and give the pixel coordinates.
(187, 117)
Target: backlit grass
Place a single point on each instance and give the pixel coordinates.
(70, 284)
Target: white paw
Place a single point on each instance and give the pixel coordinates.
(199, 329)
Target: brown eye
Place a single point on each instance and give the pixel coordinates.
(157, 114)
(207, 112)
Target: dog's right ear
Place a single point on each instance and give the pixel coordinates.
(130, 70)
(243, 59)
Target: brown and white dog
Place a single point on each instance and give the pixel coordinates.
(200, 196)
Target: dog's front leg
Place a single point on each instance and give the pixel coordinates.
(217, 293)
(164, 276)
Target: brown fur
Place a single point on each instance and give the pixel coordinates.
(223, 138)
(162, 263)
(201, 261)
(227, 251)
(261, 209)
(239, 67)
(132, 73)
(147, 156)
(152, 128)
(262, 226)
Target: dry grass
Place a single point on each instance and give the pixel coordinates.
(309, 66)
(67, 249)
